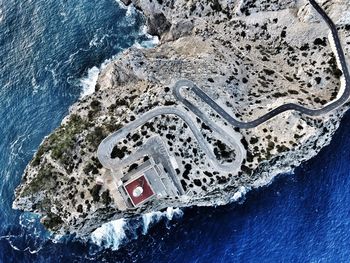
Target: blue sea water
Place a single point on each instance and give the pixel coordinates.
(46, 47)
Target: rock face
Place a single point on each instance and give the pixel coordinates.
(249, 56)
(158, 24)
(126, 2)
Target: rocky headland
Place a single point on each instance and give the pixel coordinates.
(248, 56)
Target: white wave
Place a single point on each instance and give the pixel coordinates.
(88, 83)
(130, 11)
(121, 4)
(17, 145)
(154, 217)
(35, 85)
(30, 229)
(98, 40)
(110, 235)
(239, 194)
(113, 234)
(151, 41)
(57, 238)
(30, 250)
(94, 41)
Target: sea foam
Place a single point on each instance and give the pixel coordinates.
(110, 235)
(150, 42)
(154, 217)
(114, 234)
(88, 82)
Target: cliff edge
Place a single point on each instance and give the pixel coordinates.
(166, 125)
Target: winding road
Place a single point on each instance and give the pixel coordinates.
(283, 108)
(106, 146)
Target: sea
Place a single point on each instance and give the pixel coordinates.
(50, 54)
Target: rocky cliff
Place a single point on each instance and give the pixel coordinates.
(249, 56)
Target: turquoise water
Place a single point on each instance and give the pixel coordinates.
(46, 47)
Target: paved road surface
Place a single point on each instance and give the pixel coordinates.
(285, 107)
(106, 146)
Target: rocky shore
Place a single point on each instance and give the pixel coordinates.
(249, 56)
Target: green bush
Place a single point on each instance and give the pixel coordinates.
(62, 141)
(52, 221)
(96, 136)
(46, 178)
(106, 197)
(95, 192)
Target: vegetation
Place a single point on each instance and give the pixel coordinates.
(96, 136)
(116, 152)
(64, 139)
(221, 151)
(90, 168)
(62, 142)
(333, 67)
(106, 199)
(52, 221)
(95, 192)
(45, 179)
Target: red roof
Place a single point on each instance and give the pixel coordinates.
(140, 183)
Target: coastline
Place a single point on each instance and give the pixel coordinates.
(263, 173)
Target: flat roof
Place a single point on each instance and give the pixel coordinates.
(140, 183)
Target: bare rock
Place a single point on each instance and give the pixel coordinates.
(126, 2)
(114, 75)
(180, 29)
(249, 62)
(158, 24)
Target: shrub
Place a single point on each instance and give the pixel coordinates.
(106, 199)
(95, 192)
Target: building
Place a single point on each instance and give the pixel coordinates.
(149, 180)
(139, 190)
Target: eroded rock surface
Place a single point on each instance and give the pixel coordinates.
(249, 56)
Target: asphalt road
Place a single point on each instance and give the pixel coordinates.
(106, 146)
(285, 107)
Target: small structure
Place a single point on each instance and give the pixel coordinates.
(139, 190)
(146, 181)
(99, 180)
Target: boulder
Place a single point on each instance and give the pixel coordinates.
(158, 24)
(126, 2)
